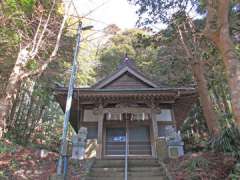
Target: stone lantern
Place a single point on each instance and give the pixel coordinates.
(175, 144)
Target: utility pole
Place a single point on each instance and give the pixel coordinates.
(64, 144)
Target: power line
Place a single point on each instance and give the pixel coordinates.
(89, 18)
(99, 6)
(87, 14)
(93, 19)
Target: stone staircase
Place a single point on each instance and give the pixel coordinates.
(138, 169)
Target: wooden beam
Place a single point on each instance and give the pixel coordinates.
(154, 132)
(100, 133)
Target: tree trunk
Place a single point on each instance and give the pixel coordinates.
(18, 72)
(6, 102)
(202, 86)
(217, 29)
(205, 100)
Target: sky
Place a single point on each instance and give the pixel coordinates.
(106, 12)
(101, 13)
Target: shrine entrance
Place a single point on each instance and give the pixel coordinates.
(131, 136)
(125, 113)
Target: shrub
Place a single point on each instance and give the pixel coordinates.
(228, 141)
(6, 147)
(198, 162)
(235, 175)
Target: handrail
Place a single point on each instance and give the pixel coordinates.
(126, 154)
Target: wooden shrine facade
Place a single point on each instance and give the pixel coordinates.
(127, 102)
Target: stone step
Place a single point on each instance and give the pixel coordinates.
(129, 178)
(138, 169)
(123, 160)
(130, 169)
(121, 174)
(119, 163)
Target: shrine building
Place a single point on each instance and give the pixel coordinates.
(127, 110)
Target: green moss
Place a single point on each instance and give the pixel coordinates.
(3, 176)
(4, 148)
(32, 64)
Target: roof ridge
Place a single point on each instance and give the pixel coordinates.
(132, 68)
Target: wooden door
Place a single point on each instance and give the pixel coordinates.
(138, 141)
(115, 141)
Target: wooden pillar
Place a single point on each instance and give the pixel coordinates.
(100, 136)
(154, 133)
